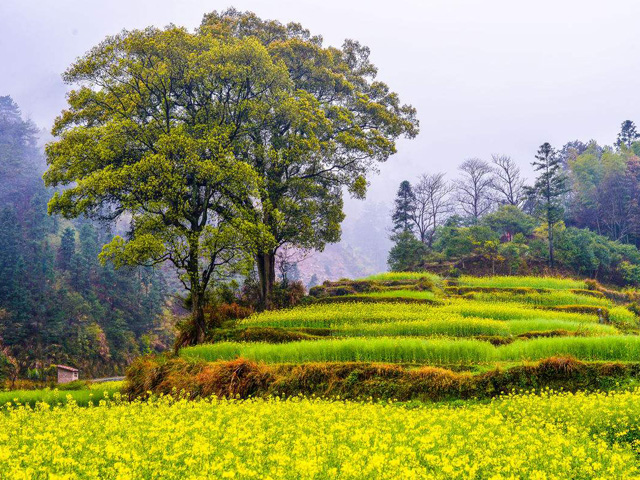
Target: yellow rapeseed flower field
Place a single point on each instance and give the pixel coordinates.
(548, 436)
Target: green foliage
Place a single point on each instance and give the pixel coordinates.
(547, 191)
(556, 283)
(60, 305)
(628, 134)
(407, 252)
(509, 220)
(333, 316)
(541, 299)
(410, 350)
(82, 396)
(411, 277)
(404, 209)
(166, 156)
(335, 123)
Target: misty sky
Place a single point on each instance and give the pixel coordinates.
(486, 76)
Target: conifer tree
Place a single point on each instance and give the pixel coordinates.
(404, 207)
(628, 134)
(547, 191)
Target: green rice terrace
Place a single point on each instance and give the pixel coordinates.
(415, 336)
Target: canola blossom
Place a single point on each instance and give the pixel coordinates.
(548, 436)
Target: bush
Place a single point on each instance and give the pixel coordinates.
(71, 386)
(6, 368)
(341, 291)
(454, 272)
(318, 291)
(592, 284)
(287, 294)
(407, 253)
(224, 312)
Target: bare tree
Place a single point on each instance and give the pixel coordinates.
(507, 182)
(474, 188)
(433, 203)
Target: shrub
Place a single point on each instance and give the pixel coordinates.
(288, 294)
(222, 313)
(341, 291)
(592, 284)
(71, 386)
(318, 291)
(634, 308)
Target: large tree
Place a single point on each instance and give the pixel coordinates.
(432, 205)
(507, 182)
(548, 190)
(152, 135)
(345, 123)
(474, 188)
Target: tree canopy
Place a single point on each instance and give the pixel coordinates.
(222, 145)
(346, 121)
(151, 134)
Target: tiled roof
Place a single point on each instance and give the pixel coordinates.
(64, 367)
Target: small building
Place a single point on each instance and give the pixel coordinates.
(67, 374)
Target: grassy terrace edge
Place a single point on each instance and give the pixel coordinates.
(421, 351)
(356, 381)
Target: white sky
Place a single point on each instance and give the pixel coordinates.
(492, 76)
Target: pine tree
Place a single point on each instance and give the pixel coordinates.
(627, 135)
(404, 208)
(67, 248)
(407, 252)
(547, 191)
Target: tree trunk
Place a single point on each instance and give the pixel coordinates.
(267, 275)
(550, 231)
(197, 313)
(197, 289)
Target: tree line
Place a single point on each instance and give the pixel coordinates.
(580, 214)
(57, 303)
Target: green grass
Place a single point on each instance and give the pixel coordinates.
(400, 276)
(335, 315)
(458, 326)
(555, 283)
(94, 393)
(511, 311)
(551, 299)
(330, 315)
(392, 350)
(419, 351)
(622, 316)
(418, 294)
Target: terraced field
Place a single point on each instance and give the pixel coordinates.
(488, 321)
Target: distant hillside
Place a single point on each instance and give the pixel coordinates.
(362, 251)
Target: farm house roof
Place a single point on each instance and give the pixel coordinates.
(64, 367)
